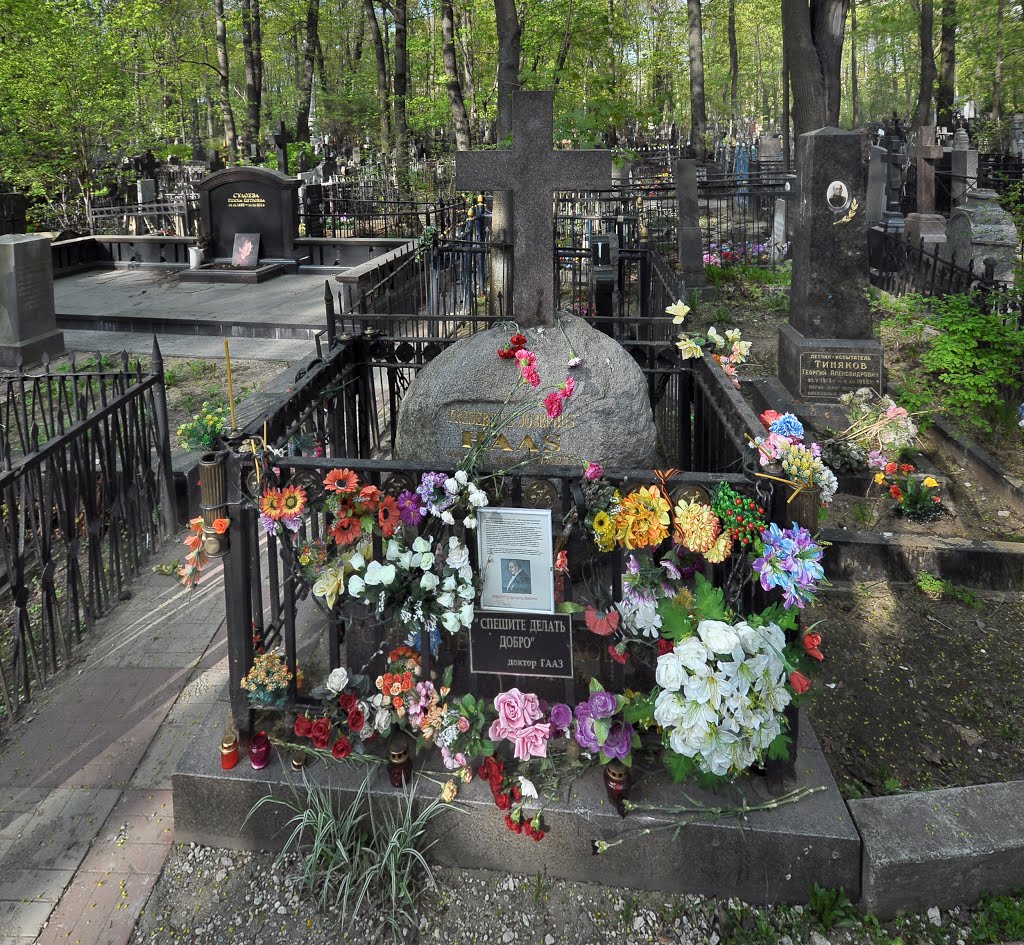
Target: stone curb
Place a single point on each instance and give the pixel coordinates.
(952, 441)
(940, 848)
(869, 556)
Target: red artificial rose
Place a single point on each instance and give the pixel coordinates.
(799, 682)
(664, 646)
(769, 417)
(303, 726)
(890, 468)
(811, 643)
(347, 702)
(356, 720)
(320, 732)
(341, 748)
(503, 801)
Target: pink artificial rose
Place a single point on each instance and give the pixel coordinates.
(532, 742)
(497, 731)
(594, 472)
(553, 404)
(509, 706)
(531, 708)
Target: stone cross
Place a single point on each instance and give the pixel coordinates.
(532, 172)
(280, 139)
(926, 152)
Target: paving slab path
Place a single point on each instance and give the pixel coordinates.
(86, 818)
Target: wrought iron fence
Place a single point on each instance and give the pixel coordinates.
(901, 266)
(176, 215)
(330, 211)
(87, 492)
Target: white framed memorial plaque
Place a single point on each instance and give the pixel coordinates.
(516, 560)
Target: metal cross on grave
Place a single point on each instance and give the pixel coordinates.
(533, 173)
(926, 152)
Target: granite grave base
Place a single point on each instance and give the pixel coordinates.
(216, 272)
(768, 856)
(820, 370)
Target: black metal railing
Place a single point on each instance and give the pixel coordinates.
(326, 212)
(87, 490)
(901, 266)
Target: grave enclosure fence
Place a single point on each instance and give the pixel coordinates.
(341, 414)
(87, 492)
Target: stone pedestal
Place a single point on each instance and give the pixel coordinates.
(827, 349)
(963, 169)
(608, 419)
(28, 325)
(930, 227)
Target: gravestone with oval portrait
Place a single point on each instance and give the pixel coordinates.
(828, 348)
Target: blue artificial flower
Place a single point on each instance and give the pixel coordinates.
(787, 425)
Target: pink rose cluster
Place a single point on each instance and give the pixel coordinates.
(519, 720)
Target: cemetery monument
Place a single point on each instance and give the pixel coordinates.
(827, 349)
(28, 325)
(458, 396)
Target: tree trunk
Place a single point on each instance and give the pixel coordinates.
(563, 51)
(509, 53)
(853, 63)
(309, 48)
(813, 34)
(734, 68)
(925, 33)
(382, 77)
(399, 9)
(946, 91)
(460, 120)
(698, 114)
(224, 83)
(252, 85)
(997, 81)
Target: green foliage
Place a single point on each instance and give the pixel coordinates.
(966, 365)
(936, 588)
(998, 919)
(830, 908)
(366, 858)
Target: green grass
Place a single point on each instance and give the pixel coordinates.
(937, 588)
(998, 919)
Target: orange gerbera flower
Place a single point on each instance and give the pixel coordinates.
(387, 516)
(341, 480)
(293, 500)
(369, 496)
(271, 504)
(345, 530)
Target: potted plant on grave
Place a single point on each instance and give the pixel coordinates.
(197, 255)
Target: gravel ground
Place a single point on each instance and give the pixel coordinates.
(220, 897)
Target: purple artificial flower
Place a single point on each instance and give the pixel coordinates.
(560, 717)
(409, 509)
(603, 705)
(632, 565)
(877, 460)
(268, 524)
(586, 737)
(292, 522)
(432, 493)
(619, 742)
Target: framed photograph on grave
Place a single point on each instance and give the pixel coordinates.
(516, 560)
(246, 251)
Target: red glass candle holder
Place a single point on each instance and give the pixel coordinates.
(259, 750)
(399, 764)
(616, 784)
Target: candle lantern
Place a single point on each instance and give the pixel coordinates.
(213, 502)
(259, 750)
(616, 784)
(399, 762)
(229, 751)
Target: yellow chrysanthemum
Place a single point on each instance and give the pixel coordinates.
(644, 518)
(697, 527)
(720, 550)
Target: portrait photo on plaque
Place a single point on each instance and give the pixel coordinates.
(516, 560)
(246, 251)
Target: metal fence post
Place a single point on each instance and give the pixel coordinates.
(168, 504)
(238, 594)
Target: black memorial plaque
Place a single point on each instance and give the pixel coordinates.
(514, 644)
(828, 375)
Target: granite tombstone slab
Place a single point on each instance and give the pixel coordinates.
(981, 229)
(250, 200)
(456, 396)
(827, 349)
(28, 326)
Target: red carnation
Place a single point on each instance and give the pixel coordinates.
(517, 795)
(341, 748)
(664, 646)
(503, 801)
(896, 493)
(320, 732)
(538, 835)
(347, 702)
(303, 726)
(614, 653)
(356, 720)
(890, 468)
(518, 340)
(906, 468)
(513, 825)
